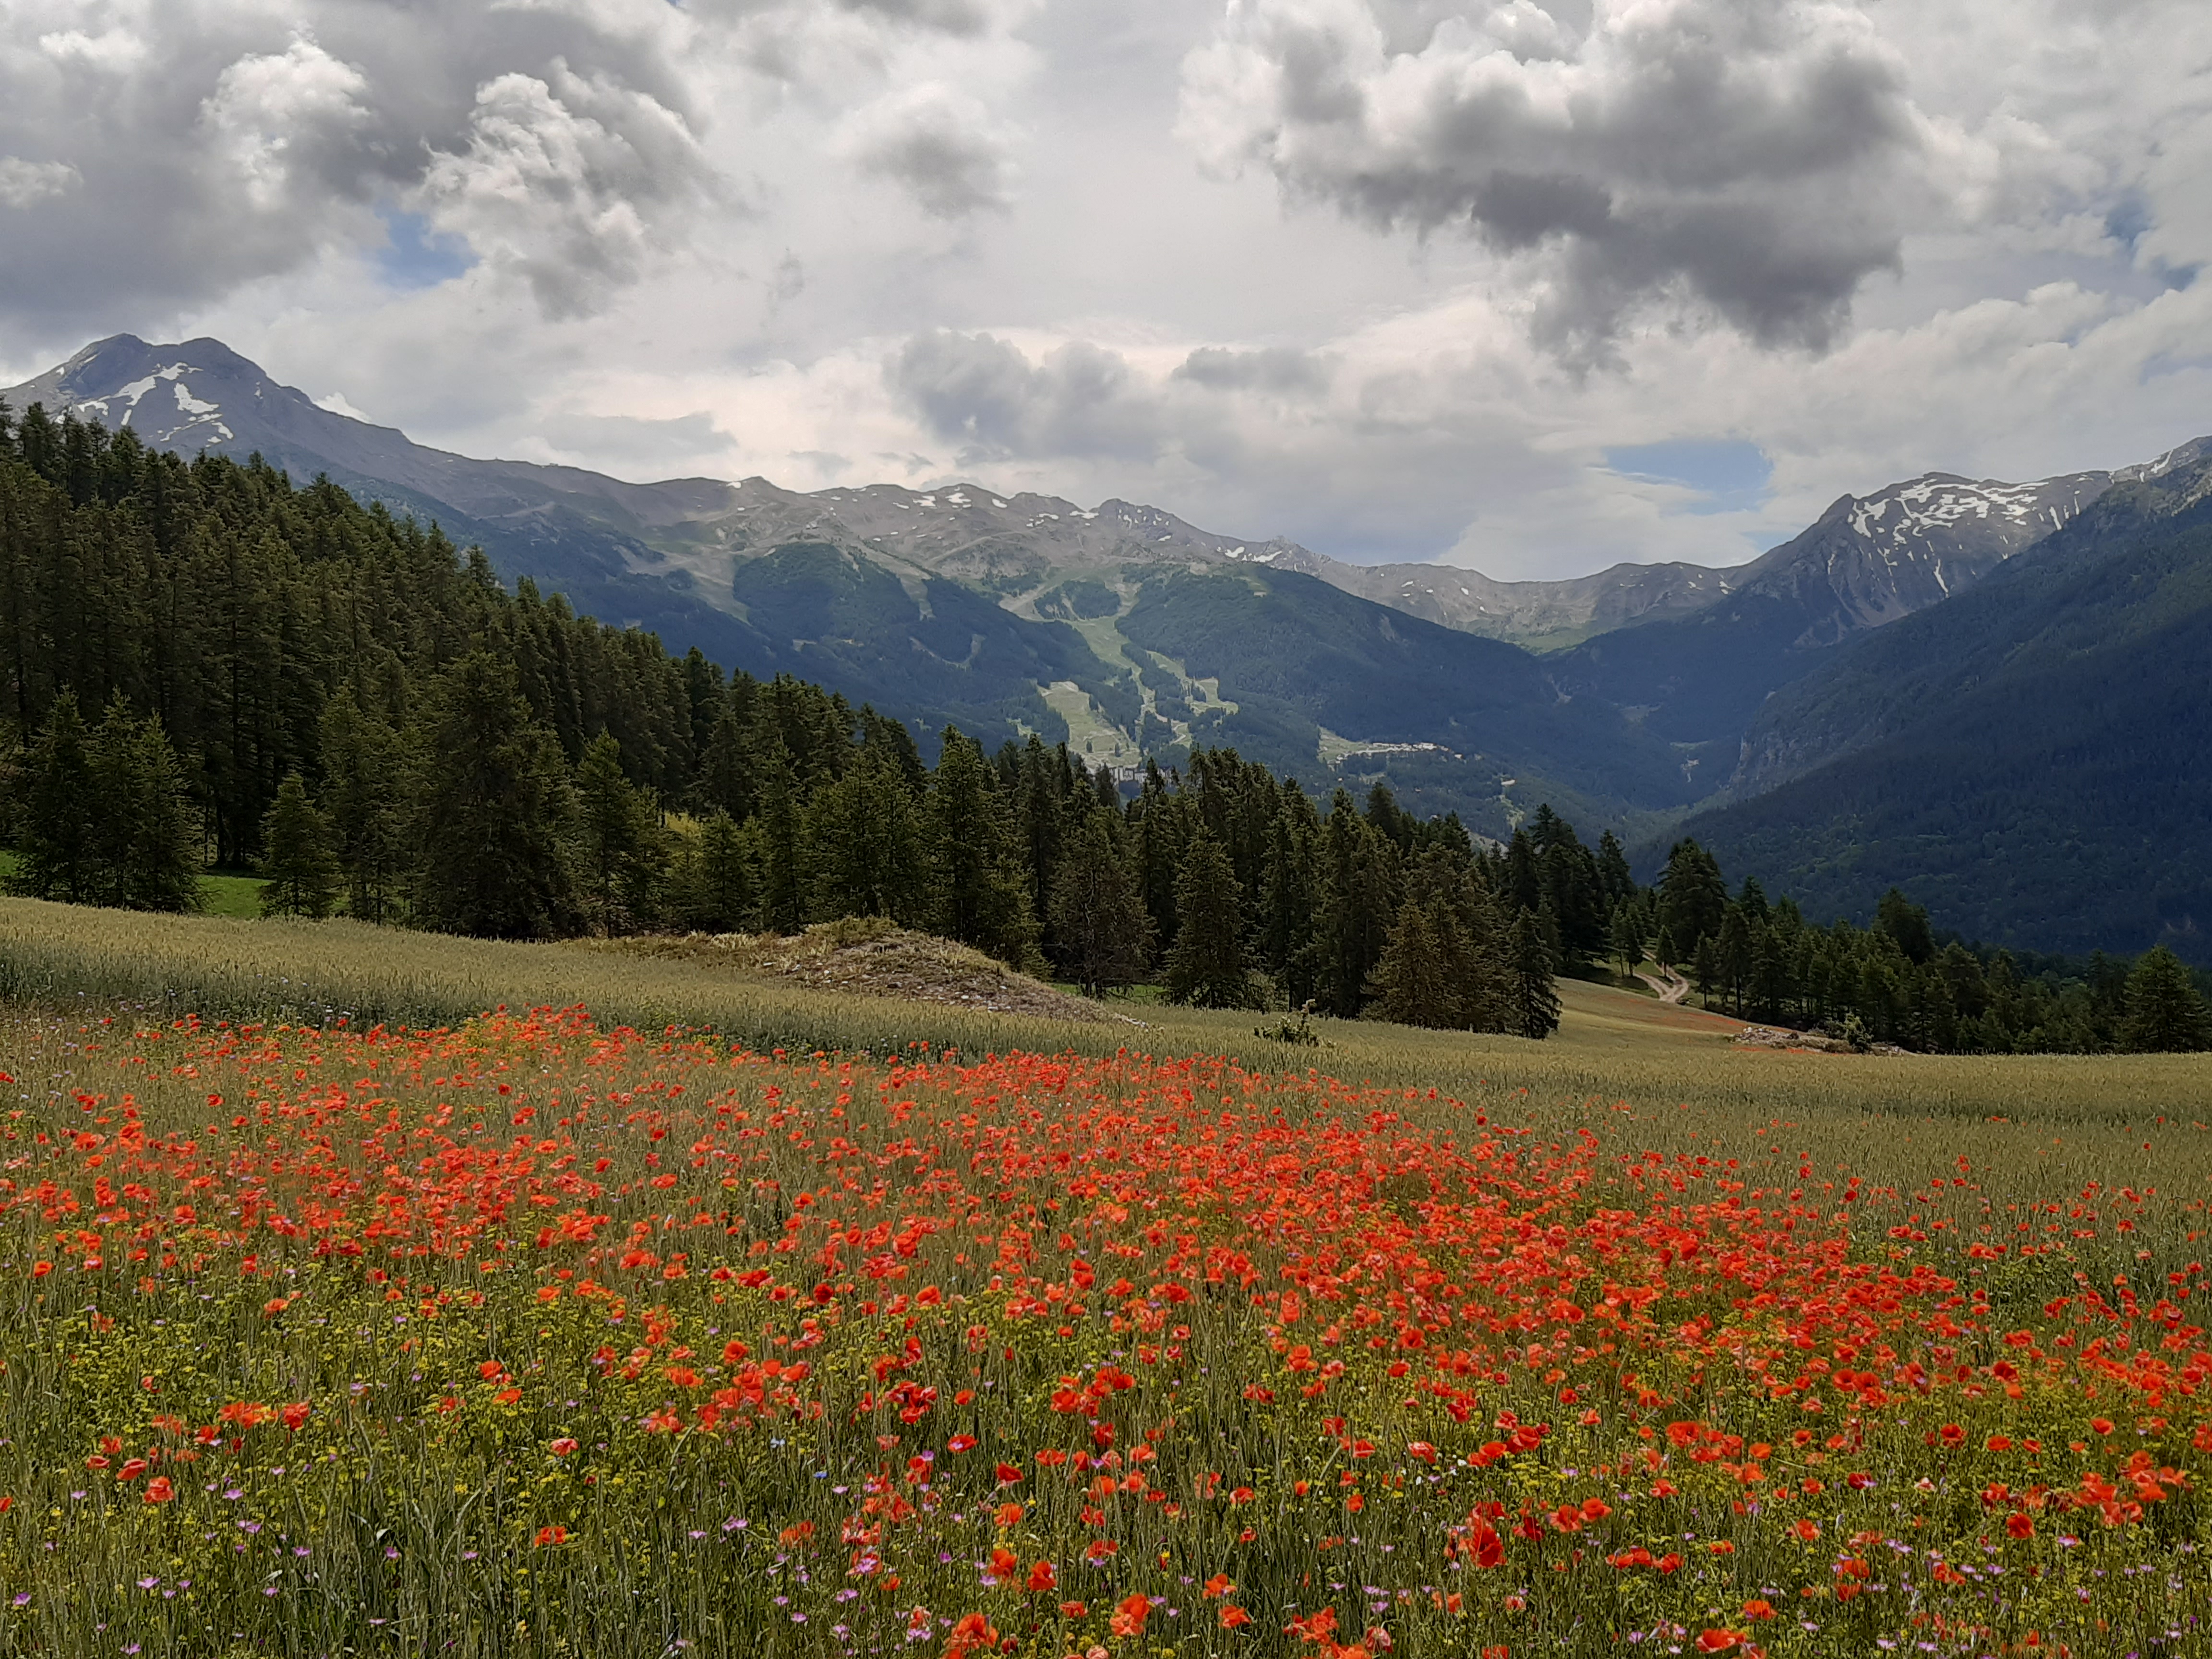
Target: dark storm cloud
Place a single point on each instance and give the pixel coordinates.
(1281, 370)
(942, 148)
(984, 394)
(153, 157)
(1756, 159)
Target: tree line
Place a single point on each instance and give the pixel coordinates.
(207, 664)
(1898, 980)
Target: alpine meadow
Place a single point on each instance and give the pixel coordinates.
(1023, 830)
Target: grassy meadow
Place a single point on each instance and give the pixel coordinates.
(339, 1313)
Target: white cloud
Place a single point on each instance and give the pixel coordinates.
(570, 185)
(870, 239)
(268, 110)
(22, 182)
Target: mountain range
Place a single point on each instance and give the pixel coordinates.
(1923, 631)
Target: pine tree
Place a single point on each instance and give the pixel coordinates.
(866, 853)
(2165, 1014)
(1732, 955)
(1098, 915)
(1615, 879)
(1413, 984)
(495, 810)
(1692, 898)
(782, 874)
(1286, 894)
(1536, 999)
(1361, 882)
(1626, 936)
(726, 778)
(721, 894)
(1907, 924)
(1706, 969)
(1206, 966)
(57, 859)
(298, 858)
(1042, 810)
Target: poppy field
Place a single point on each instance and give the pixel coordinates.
(529, 1336)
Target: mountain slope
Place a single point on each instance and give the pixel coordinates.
(1890, 680)
(1542, 615)
(1285, 647)
(2033, 760)
(999, 614)
(1868, 562)
(582, 531)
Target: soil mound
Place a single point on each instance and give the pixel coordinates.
(869, 956)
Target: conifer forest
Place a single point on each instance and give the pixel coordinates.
(208, 666)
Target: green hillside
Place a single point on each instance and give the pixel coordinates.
(1292, 652)
(2033, 759)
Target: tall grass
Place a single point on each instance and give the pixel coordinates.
(320, 973)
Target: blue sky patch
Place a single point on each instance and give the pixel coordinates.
(416, 257)
(1731, 473)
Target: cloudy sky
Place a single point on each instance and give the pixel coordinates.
(1533, 286)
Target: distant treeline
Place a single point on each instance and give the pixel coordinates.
(204, 664)
(1898, 982)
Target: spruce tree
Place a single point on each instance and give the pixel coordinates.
(55, 861)
(298, 858)
(1536, 999)
(2165, 1014)
(1098, 916)
(1206, 966)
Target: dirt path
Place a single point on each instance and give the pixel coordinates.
(1670, 985)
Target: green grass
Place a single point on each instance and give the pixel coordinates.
(231, 895)
(226, 893)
